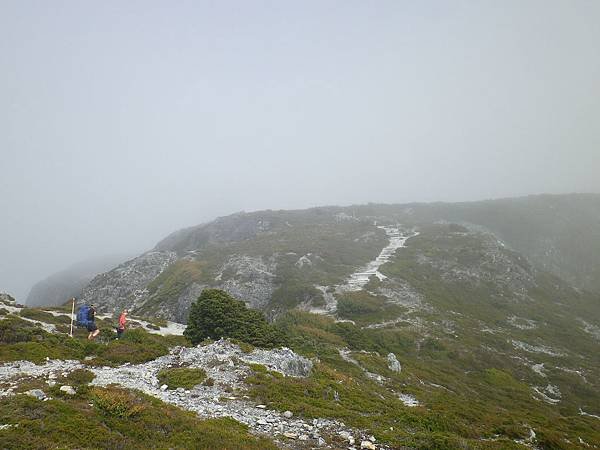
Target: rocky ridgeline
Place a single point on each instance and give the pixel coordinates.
(227, 366)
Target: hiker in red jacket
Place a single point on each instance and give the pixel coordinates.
(122, 320)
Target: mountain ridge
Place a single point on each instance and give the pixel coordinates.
(252, 254)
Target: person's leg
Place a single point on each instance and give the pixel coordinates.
(119, 332)
(94, 331)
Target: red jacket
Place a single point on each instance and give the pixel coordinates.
(122, 320)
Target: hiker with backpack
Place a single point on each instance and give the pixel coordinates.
(86, 317)
(122, 320)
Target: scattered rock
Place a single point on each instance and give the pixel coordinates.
(37, 393)
(408, 400)
(67, 390)
(288, 414)
(393, 363)
(290, 435)
(367, 445)
(164, 387)
(344, 435)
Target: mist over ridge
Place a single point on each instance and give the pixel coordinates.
(122, 122)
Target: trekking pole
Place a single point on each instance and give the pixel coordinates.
(72, 312)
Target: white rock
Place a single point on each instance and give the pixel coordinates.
(290, 435)
(367, 445)
(393, 363)
(261, 406)
(67, 390)
(37, 393)
(164, 387)
(288, 414)
(344, 435)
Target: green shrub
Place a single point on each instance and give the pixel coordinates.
(216, 314)
(116, 402)
(183, 377)
(357, 303)
(14, 330)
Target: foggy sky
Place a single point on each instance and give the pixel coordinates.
(122, 121)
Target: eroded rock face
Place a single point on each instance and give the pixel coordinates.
(125, 286)
(249, 278)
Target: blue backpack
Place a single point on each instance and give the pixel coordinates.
(82, 316)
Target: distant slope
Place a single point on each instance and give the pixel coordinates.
(68, 283)
(558, 233)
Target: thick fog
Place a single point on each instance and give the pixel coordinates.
(121, 121)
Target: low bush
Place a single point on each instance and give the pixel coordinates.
(181, 377)
(117, 402)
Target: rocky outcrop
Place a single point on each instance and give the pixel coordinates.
(393, 363)
(126, 285)
(248, 278)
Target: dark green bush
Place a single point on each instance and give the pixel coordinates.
(217, 315)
